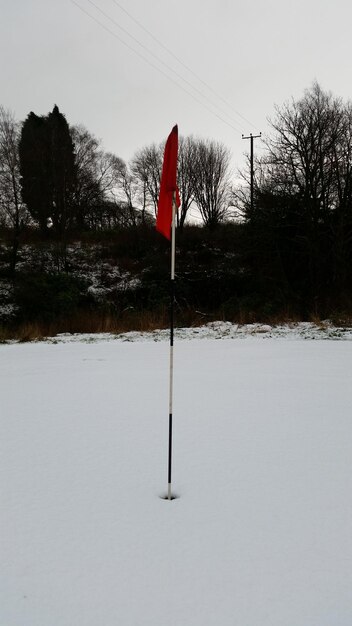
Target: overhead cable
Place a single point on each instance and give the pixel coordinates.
(83, 10)
(159, 60)
(189, 69)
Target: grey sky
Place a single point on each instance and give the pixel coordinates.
(253, 54)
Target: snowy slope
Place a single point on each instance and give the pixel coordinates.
(261, 531)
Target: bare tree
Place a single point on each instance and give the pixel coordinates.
(108, 171)
(302, 154)
(87, 192)
(146, 167)
(98, 177)
(305, 182)
(128, 190)
(12, 209)
(203, 178)
(186, 155)
(210, 179)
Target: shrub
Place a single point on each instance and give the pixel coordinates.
(45, 297)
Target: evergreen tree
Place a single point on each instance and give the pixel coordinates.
(47, 169)
(34, 168)
(62, 169)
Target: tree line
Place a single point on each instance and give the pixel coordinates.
(58, 176)
(293, 241)
(300, 225)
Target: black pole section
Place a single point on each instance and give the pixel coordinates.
(170, 451)
(252, 137)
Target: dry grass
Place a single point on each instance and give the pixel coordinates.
(93, 322)
(322, 324)
(86, 322)
(245, 316)
(144, 321)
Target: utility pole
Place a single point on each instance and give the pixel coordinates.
(252, 137)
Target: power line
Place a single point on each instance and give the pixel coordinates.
(152, 65)
(126, 32)
(189, 69)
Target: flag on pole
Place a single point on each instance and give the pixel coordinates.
(169, 200)
(168, 185)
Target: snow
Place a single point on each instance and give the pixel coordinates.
(219, 330)
(260, 533)
(7, 308)
(88, 263)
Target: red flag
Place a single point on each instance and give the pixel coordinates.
(168, 185)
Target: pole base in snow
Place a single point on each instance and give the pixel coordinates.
(169, 496)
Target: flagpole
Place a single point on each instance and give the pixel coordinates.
(171, 379)
(168, 202)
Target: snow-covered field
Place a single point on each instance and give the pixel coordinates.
(260, 534)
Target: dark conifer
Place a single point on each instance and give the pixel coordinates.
(34, 167)
(47, 169)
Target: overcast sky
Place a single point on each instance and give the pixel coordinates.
(249, 55)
